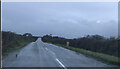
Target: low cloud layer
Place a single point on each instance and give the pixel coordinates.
(70, 20)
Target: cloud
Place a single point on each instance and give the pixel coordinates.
(63, 19)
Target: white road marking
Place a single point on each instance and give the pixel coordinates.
(46, 48)
(61, 63)
(57, 59)
(50, 51)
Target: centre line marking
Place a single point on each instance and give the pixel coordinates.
(61, 64)
(46, 48)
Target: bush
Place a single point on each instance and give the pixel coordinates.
(95, 43)
(12, 41)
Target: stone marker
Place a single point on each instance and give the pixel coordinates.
(67, 43)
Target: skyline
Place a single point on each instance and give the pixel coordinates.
(69, 20)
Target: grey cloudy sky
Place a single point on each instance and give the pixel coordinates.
(66, 19)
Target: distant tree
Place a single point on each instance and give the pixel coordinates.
(50, 34)
(97, 37)
(94, 43)
(112, 38)
(27, 34)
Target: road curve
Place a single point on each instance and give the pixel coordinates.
(40, 54)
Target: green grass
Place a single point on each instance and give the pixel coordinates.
(18, 46)
(104, 57)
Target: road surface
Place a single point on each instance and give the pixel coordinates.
(40, 54)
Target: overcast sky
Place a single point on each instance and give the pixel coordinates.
(70, 20)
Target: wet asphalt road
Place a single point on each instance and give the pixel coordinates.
(40, 54)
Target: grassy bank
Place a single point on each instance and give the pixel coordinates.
(20, 45)
(104, 57)
(12, 41)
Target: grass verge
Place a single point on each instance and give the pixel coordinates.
(20, 45)
(104, 57)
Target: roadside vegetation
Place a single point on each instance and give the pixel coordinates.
(100, 56)
(102, 48)
(12, 41)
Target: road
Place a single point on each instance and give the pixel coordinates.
(40, 54)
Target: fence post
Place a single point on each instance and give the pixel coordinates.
(67, 43)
